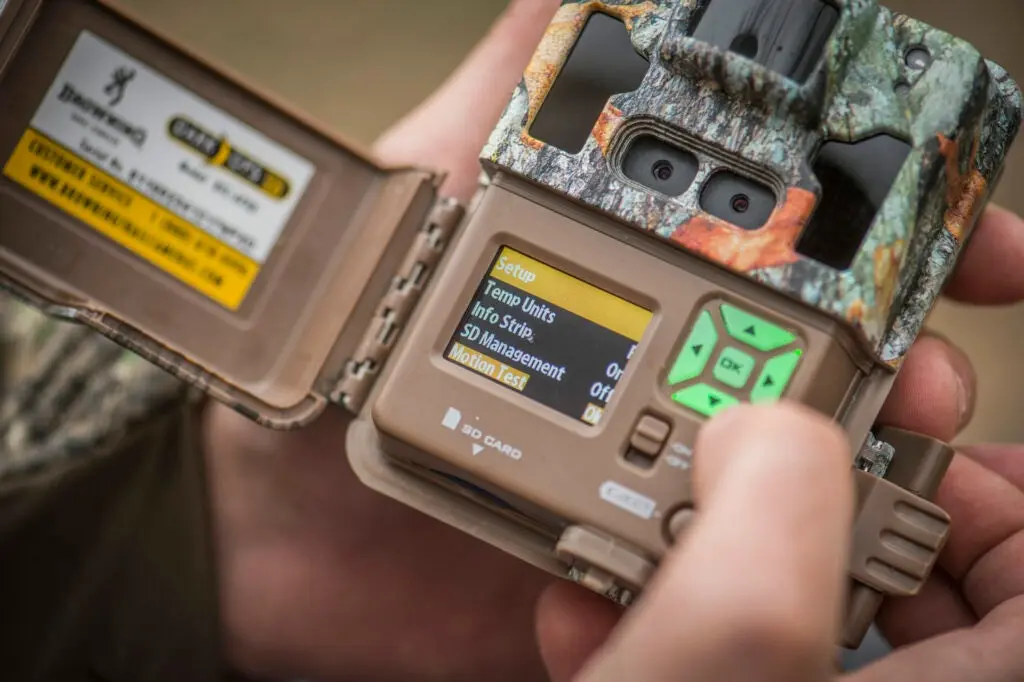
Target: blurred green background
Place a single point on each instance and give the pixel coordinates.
(359, 65)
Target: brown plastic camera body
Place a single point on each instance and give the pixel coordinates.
(605, 501)
(532, 370)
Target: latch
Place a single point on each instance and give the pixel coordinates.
(898, 533)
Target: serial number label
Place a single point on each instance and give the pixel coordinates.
(160, 171)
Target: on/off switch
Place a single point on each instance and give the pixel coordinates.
(648, 437)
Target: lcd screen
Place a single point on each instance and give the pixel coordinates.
(548, 335)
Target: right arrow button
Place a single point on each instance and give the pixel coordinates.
(775, 377)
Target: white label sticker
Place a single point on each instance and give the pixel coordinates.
(174, 148)
(627, 499)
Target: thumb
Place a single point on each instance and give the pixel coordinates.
(755, 591)
(572, 623)
(451, 127)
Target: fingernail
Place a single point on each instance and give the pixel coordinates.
(962, 403)
(962, 370)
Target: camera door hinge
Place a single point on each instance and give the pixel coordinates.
(393, 312)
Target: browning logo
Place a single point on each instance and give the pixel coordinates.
(70, 95)
(119, 82)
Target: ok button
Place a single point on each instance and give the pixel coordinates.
(734, 367)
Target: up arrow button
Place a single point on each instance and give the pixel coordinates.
(753, 331)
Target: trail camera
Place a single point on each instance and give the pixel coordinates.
(686, 205)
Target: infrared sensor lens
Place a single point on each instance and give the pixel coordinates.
(918, 58)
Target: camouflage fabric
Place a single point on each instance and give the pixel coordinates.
(107, 568)
(65, 391)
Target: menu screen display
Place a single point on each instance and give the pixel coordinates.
(548, 335)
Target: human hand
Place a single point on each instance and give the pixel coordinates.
(754, 590)
(965, 624)
(323, 579)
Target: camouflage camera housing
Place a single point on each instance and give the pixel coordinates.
(934, 134)
(687, 204)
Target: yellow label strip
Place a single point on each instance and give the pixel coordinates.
(488, 366)
(572, 294)
(175, 246)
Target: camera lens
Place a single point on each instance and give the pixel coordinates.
(662, 170)
(740, 203)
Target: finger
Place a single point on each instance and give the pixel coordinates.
(989, 272)
(938, 608)
(934, 393)
(1005, 460)
(572, 623)
(986, 544)
(450, 128)
(990, 652)
(755, 592)
(980, 561)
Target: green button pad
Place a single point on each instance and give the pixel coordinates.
(757, 348)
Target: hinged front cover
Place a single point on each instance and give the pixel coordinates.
(190, 218)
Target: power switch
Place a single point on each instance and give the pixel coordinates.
(650, 435)
(647, 439)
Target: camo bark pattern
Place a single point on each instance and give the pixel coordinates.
(66, 391)
(961, 114)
